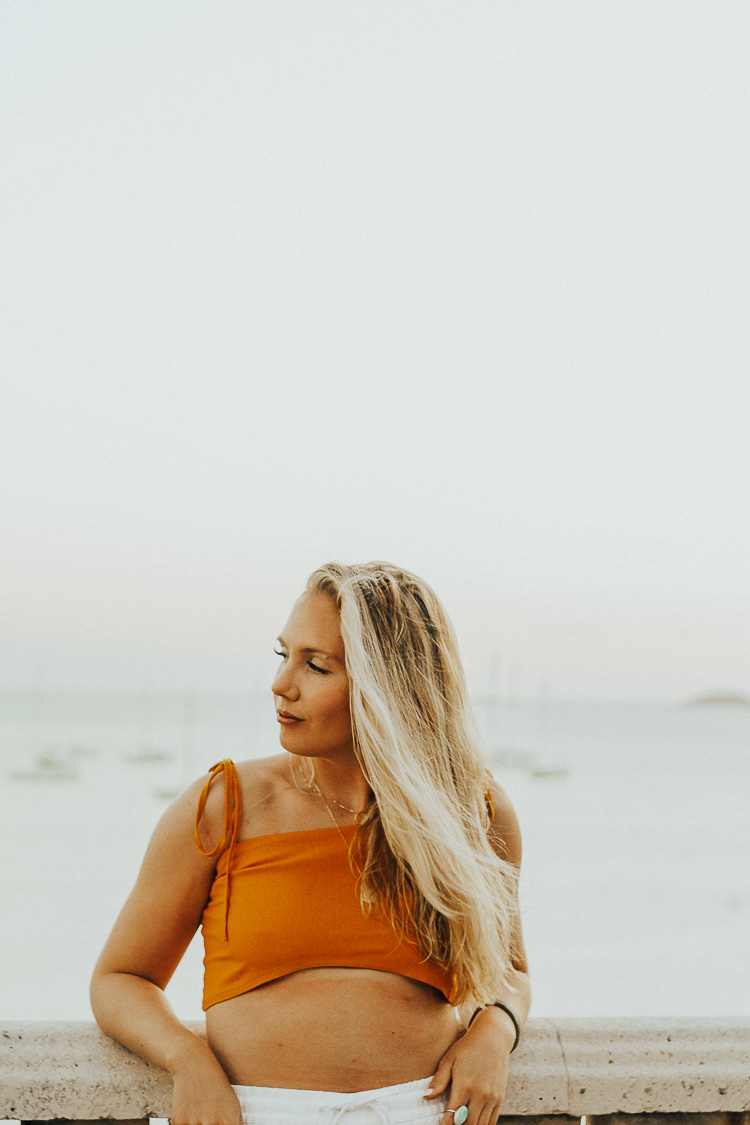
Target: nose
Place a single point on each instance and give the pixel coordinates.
(284, 684)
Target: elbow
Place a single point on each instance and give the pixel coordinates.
(96, 1001)
(111, 994)
(99, 990)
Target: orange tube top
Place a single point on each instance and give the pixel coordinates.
(294, 905)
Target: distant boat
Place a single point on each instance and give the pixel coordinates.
(169, 792)
(147, 757)
(148, 754)
(511, 757)
(548, 769)
(51, 766)
(720, 700)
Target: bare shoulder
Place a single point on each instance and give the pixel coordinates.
(259, 780)
(259, 776)
(505, 831)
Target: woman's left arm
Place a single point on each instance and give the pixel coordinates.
(475, 1068)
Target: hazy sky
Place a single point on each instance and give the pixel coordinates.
(459, 285)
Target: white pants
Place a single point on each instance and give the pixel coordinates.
(392, 1105)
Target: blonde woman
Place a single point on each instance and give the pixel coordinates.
(357, 892)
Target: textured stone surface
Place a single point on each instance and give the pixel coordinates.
(657, 1065)
(561, 1067)
(536, 1077)
(539, 1119)
(666, 1119)
(72, 1070)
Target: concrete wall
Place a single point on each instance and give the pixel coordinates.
(561, 1067)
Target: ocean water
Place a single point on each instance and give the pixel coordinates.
(635, 888)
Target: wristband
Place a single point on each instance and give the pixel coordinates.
(506, 1009)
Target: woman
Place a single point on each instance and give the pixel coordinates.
(358, 892)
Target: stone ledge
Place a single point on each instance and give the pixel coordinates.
(657, 1065)
(71, 1070)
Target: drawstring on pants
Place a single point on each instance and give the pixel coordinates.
(372, 1103)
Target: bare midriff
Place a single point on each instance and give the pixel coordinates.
(332, 1029)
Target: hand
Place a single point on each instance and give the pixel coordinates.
(476, 1069)
(202, 1095)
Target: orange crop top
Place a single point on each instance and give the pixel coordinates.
(294, 905)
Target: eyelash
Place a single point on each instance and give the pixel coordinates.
(315, 668)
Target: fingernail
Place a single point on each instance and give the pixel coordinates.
(429, 1091)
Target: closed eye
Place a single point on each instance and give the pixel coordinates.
(310, 664)
(315, 668)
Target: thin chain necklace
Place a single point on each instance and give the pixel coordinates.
(312, 787)
(329, 800)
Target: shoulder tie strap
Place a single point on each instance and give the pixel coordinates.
(232, 819)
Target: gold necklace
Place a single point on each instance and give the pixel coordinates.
(312, 787)
(316, 790)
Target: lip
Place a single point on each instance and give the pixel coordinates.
(287, 719)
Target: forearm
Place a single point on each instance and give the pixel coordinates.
(136, 1012)
(516, 995)
(476, 1065)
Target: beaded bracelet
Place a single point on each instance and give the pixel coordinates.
(506, 1009)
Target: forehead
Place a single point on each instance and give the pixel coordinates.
(314, 623)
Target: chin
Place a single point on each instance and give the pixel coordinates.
(291, 744)
(295, 750)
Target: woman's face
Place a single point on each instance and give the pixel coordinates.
(311, 689)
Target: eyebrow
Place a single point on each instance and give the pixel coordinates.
(310, 649)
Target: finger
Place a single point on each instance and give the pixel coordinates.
(450, 1115)
(440, 1082)
(460, 1097)
(497, 1109)
(485, 1113)
(482, 1114)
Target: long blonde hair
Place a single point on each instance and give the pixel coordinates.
(422, 852)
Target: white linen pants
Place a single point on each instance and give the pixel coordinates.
(391, 1105)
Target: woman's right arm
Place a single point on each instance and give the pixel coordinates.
(149, 938)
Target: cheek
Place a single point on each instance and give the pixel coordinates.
(337, 707)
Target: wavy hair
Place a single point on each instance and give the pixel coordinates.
(422, 851)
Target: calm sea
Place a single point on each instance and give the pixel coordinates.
(636, 876)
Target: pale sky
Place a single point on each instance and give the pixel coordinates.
(461, 286)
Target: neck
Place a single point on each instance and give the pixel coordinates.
(342, 782)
